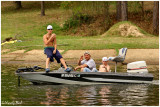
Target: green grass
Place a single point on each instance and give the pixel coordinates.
(92, 43)
(27, 22)
(27, 25)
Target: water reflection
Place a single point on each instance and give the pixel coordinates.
(104, 95)
(133, 94)
(86, 95)
(97, 95)
(55, 96)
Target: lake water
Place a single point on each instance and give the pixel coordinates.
(75, 95)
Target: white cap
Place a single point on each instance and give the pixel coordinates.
(49, 27)
(104, 59)
(87, 53)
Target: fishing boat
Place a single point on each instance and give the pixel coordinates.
(136, 73)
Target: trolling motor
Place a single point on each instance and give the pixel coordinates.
(29, 69)
(35, 68)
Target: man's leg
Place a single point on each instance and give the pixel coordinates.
(82, 69)
(65, 66)
(94, 70)
(49, 53)
(59, 59)
(47, 65)
(63, 63)
(86, 70)
(47, 62)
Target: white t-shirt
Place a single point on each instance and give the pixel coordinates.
(91, 64)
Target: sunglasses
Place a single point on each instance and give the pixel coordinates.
(49, 29)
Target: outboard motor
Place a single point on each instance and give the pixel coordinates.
(137, 67)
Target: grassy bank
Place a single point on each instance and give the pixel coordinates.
(27, 25)
(93, 43)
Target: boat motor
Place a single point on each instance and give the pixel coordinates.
(137, 67)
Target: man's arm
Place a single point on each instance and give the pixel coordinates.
(107, 68)
(81, 66)
(100, 67)
(47, 41)
(55, 44)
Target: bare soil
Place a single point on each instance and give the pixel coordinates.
(151, 56)
(129, 30)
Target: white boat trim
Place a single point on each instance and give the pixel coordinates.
(117, 80)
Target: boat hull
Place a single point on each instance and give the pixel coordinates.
(85, 78)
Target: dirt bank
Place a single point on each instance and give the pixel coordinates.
(151, 56)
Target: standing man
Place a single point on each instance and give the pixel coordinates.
(88, 64)
(104, 67)
(51, 51)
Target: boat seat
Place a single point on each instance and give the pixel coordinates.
(120, 58)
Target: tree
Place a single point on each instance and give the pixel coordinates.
(155, 17)
(106, 15)
(142, 8)
(124, 15)
(18, 4)
(118, 16)
(42, 8)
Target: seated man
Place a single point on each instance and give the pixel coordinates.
(88, 64)
(104, 67)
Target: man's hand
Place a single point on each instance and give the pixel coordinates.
(81, 58)
(54, 52)
(79, 62)
(52, 37)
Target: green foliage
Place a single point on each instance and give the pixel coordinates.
(76, 20)
(71, 22)
(134, 6)
(65, 4)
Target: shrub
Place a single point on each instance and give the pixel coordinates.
(76, 20)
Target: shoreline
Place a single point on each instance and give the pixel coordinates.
(151, 56)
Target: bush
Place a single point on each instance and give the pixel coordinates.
(76, 20)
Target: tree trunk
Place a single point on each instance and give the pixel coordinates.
(106, 15)
(42, 8)
(142, 7)
(118, 10)
(155, 17)
(106, 9)
(18, 4)
(124, 9)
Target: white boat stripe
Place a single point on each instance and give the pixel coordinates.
(117, 80)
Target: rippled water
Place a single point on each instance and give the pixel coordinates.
(75, 95)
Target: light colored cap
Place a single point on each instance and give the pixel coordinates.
(104, 59)
(49, 27)
(87, 53)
